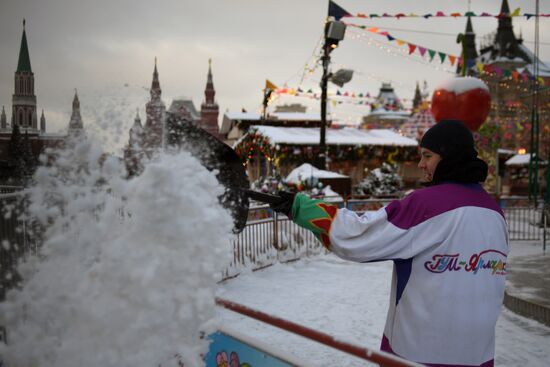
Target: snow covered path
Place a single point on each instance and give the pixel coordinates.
(349, 301)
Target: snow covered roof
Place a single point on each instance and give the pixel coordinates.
(306, 171)
(544, 70)
(418, 124)
(284, 116)
(389, 114)
(345, 136)
(187, 104)
(520, 160)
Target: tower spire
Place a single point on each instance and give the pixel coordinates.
(24, 63)
(24, 99)
(209, 108)
(3, 122)
(76, 125)
(155, 84)
(209, 91)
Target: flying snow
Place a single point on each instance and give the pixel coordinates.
(127, 271)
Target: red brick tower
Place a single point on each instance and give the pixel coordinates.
(154, 123)
(209, 108)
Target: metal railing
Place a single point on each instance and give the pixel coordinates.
(267, 238)
(18, 238)
(525, 221)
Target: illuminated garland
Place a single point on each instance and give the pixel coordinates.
(253, 144)
(295, 154)
(399, 51)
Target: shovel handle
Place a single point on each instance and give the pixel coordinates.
(263, 197)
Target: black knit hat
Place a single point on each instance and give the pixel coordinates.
(453, 141)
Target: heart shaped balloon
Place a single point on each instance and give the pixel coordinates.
(462, 98)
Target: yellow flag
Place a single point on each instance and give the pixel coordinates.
(516, 13)
(269, 85)
(479, 66)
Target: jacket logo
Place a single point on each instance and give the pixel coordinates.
(488, 260)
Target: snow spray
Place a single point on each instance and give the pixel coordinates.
(127, 270)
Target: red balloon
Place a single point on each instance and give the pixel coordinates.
(471, 106)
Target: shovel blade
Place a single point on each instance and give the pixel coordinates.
(214, 154)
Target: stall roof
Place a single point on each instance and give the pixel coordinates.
(520, 160)
(345, 136)
(306, 171)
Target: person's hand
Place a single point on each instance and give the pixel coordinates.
(285, 205)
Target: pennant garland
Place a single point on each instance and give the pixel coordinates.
(338, 12)
(481, 68)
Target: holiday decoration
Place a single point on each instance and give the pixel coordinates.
(462, 98)
(381, 182)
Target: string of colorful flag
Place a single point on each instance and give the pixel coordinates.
(452, 59)
(338, 13)
(338, 97)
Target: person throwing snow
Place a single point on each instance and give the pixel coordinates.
(448, 243)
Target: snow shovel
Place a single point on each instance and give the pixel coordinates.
(215, 155)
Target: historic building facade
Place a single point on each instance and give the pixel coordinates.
(512, 72)
(145, 140)
(24, 138)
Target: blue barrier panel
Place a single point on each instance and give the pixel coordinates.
(227, 351)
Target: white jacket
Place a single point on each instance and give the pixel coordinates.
(449, 244)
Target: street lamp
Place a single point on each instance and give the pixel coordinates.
(334, 33)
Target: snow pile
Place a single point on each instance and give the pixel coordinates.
(306, 172)
(128, 269)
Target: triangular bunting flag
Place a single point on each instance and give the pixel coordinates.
(390, 38)
(422, 50)
(442, 56)
(432, 54)
(411, 48)
(515, 13)
(269, 85)
(400, 42)
(452, 59)
(439, 14)
(336, 11)
(479, 67)
(515, 75)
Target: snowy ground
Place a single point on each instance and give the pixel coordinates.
(349, 301)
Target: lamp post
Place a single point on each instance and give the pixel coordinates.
(334, 33)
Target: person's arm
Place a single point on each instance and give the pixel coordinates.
(363, 238)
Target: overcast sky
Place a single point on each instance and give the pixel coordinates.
(106, 50)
